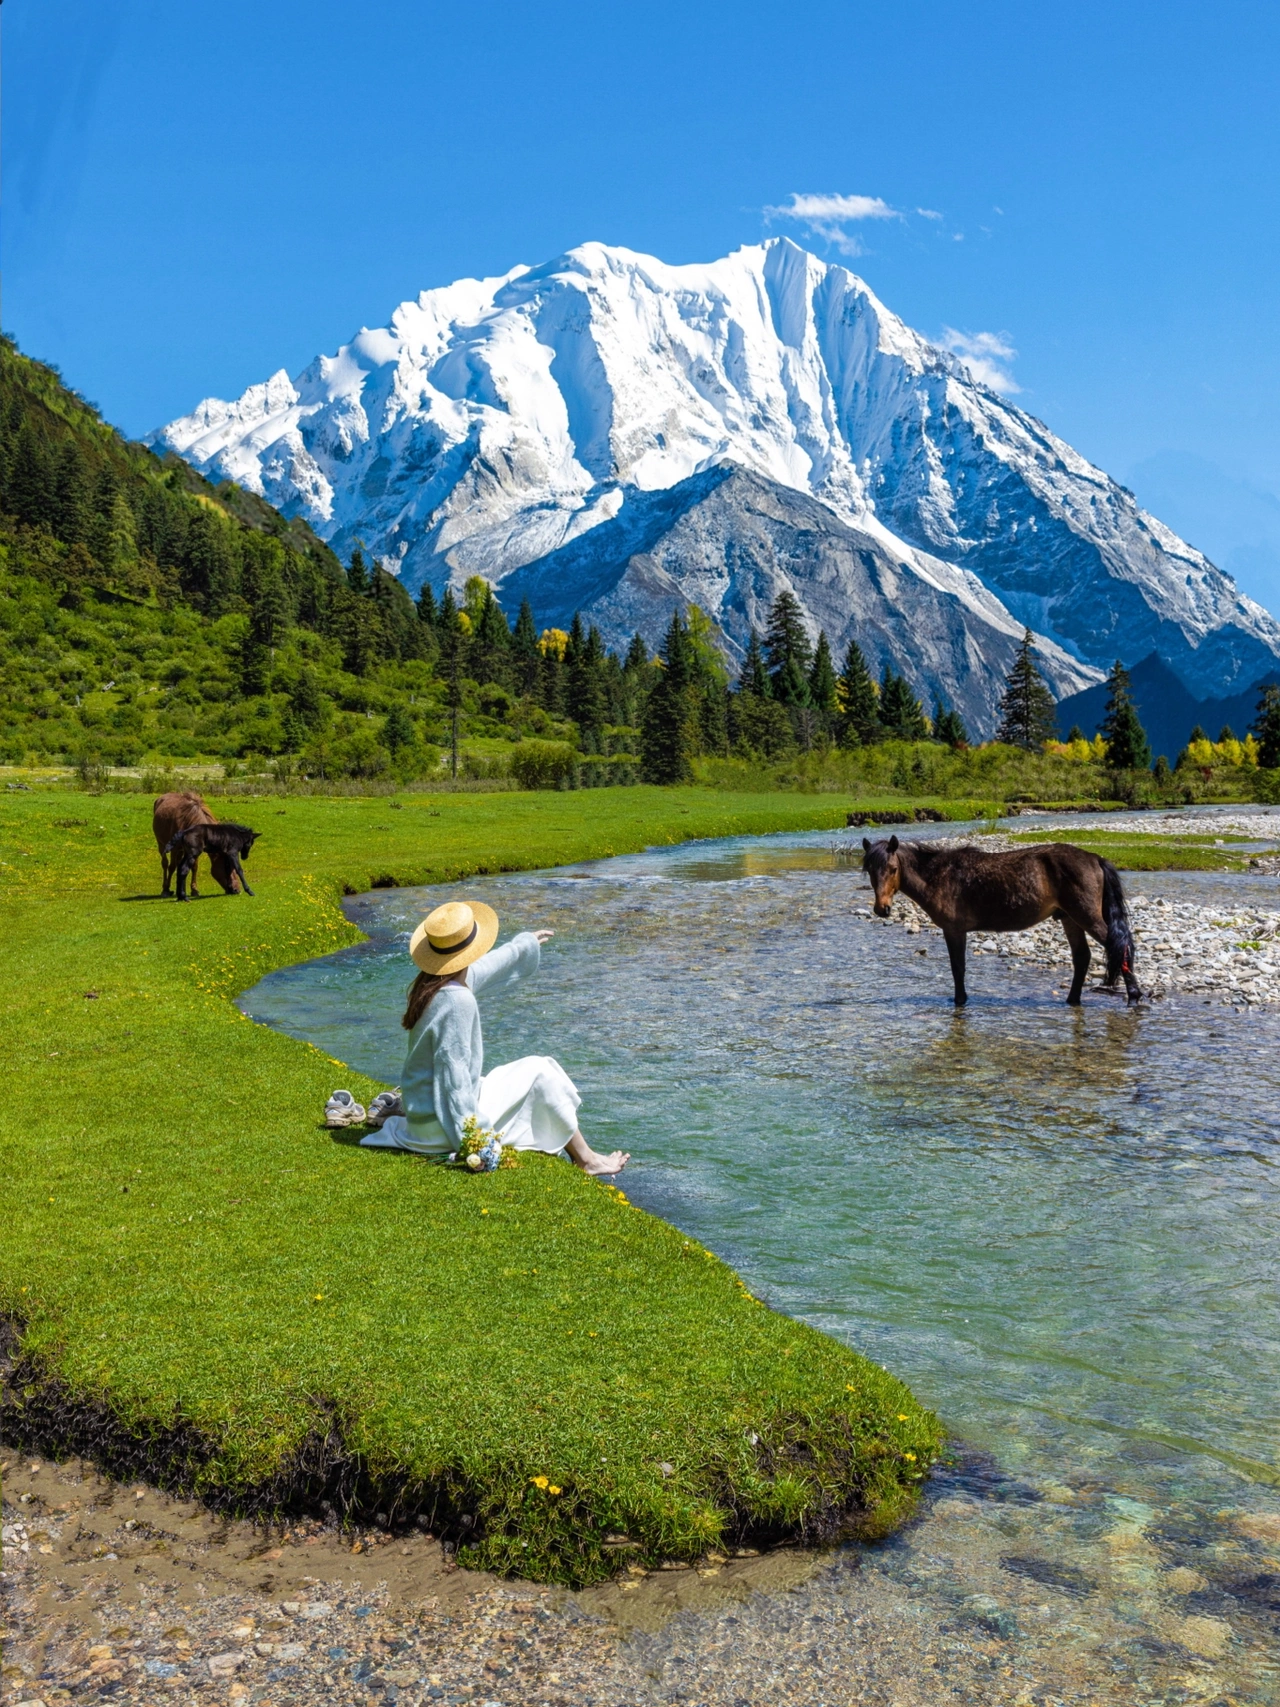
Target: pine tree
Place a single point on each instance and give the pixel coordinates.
(524, 650)
(754, 677)
(263, 588)
(1226, 733)
(29, 489)
(1028, 716)
(822, 683)
(668, 728)
(584, 694)
(490, 636)
(1266, 726)
(1076, 733)
(710, 681)
(358, 574)
(617, 690)
(635, 679)
(788, 651)
(73, 496)
(211, 570)
(858, 722)
(551, 650)
(1197, 734)
(759, 727)
(1127, 746)
(398, 732)
(428, 614)
(901, 712)
(453, 649)
(307, 703)
(399, 630)
(948, 726)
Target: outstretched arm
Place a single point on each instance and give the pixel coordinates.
(516, 959)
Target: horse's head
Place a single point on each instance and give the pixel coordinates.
(236, 836)
(881, 864)
(224, 873)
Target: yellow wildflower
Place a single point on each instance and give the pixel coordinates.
(910, 1457)
(540, 1481)
(902, 1416)
(552, 1489)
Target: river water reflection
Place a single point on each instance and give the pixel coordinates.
(1059, 1226)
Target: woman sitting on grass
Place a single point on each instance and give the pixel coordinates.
(531, 1104)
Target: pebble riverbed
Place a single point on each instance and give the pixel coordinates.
(117, 1593)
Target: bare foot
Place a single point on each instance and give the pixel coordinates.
(591, 1161)
(613, 1163)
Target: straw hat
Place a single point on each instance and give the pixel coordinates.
(453, 936)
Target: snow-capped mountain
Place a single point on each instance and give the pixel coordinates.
(524, 428)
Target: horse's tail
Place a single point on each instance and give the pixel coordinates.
(1115, 915)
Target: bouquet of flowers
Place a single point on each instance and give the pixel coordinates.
(481, 1149)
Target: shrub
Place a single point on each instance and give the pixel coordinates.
(357, 755)
(484, 767)
(416, 763)
(545, 764)
(616, 770)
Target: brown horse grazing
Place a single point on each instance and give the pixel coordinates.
(964, 889)
(175, 812)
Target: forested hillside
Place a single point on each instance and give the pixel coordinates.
(149, 616)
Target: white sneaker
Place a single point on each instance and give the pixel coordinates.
(383, 1106)
(342, 1109)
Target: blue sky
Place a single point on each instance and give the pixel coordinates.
(196, 195)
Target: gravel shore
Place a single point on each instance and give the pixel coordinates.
(118, 1594)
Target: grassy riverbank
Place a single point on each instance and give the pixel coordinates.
(1142, 851)
(211, 1291)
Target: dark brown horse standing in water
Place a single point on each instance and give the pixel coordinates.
(964, 889)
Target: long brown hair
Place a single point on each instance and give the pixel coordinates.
(423, 988)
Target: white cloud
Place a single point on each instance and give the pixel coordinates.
(928, 213)
(987, 355)
(827, 216)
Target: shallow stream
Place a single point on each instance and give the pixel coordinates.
(1060, 1226)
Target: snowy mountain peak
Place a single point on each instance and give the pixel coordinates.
(494, 422)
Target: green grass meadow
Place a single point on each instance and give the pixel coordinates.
(207, 1284)
(1143, 851)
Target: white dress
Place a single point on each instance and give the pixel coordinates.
(531, 1103)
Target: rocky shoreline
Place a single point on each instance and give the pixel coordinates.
(118, 1593)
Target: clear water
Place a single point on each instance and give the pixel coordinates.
(1060, 1226)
